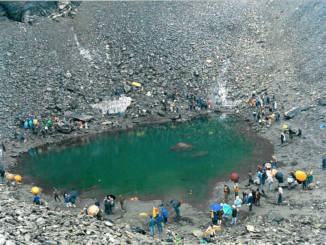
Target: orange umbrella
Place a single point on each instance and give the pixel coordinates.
(18, 178)
(300, 175)
(35, 190)
(10, 177)
(93, 210)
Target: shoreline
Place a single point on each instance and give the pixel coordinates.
(259, 153)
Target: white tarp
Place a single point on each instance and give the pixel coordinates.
(113, 106)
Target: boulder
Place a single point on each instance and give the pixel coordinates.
(292, 113)
(322, 102)
(181, 147)
(198, 233)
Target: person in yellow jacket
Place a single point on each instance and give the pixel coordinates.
(236, 190)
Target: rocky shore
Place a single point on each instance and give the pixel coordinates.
(218, 51)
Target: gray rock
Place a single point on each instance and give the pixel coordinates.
(181, 147)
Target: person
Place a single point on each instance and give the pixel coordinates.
(56, 195)
(274, 162)
(97, 203)
(236, 190)
(261, 178)
(165, 215)
(122, 201)
(220, 216)
(84, 211)
(270, 181)
(214, 217)
(291, 133)
(250, 201)
(22, 137)
(111, 202)
(309, 178)
(158, 221)
(237, 202)
(226, 193)
(234, 215)
(176, 205)
(280, 195)
(107, 205)
(250, 181)
(151, 225)
(254, 113)
(304, 184)
(283, 139)
(274, 106)
(257, 197)
(72, 200)
(299, 133)
(37, 199)
(324, 163)
(67, 200)
(2, 174)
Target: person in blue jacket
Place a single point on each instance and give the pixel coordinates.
(37, 199)
(159, 220)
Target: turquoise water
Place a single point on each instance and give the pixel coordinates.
(140, 162)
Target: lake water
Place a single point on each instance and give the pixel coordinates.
(140, 162)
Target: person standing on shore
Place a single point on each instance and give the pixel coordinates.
(176, 205)
(250, 181)
(283, 138)
(250, 201)
(280, 195)
(67, 200)
(151, 225)
(37, 199)
(56, 195)
(234, 215)
(226, 193)
(158, 221)
(107, 205)
(236, 190)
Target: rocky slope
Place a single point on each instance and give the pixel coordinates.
(214, 50)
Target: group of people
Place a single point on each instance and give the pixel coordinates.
(265, 108)
(157, 219)
(266, 173)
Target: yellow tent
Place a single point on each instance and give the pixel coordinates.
(136, 84)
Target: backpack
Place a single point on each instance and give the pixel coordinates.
(165, 213)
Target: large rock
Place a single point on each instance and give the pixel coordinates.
(182, 147)
(23, 11)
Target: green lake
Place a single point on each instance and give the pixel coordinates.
(140, 162)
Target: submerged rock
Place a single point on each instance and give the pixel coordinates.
(182, 147)
(199, 154)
